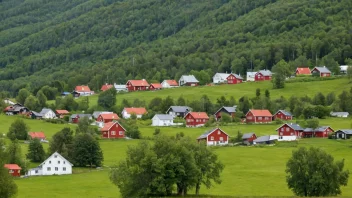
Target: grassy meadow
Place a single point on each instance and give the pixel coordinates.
(249, 171)
(237, 91)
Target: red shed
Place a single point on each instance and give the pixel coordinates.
(39, 135)
(321, 71)
(289, 132)
(321, 132)
(234, 79)
(107, 117)
(303, 71)
(255, 115)
(137, 85)
(248, 138)
(155, 86)
(263, 75)
(113, 130)
(106, 87)
(228, 110)
(196, 119)
(61, 113)
(282, 115)
(14, 169)
(214, 137)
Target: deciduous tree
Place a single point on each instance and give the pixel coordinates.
(18, 130)
(86, 151)
(36, 151)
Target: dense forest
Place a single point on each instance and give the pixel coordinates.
(97, 41)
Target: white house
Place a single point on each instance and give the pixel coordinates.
(139, 112)
(344, 68)
(47, 113)
(189, 80)
(120, 88)
(251, 76)
(339, 114)
(162, 120)
(178, 111)
(54, 165)
(169, 84)
(220, 78)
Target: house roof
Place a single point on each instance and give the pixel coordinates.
(265, 72)
(286, 113)
(135, 110)
(339, 113)
(179, 109)
(346, 131)
(322, 128)
(82, 88)
(36, 114)
(81, 115)
(236, 76)
(322, 69)
(39, 135)
(97, 113)
(106, 87)
(293, 126)
(171, 82)
(308, 130)
(223, 76)
(107, 126)
(12, 166)
(109, 116)
(164, 116)
(303, 70)
(228, 109)
(198, 115)
(205, 135)
(258, 112)
(62, 112)
(120, 86)
(156, 85)
(189, 78)
(247, 135)
(139, 83)
(266, 138)
(56, 153)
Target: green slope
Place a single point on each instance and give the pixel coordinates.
(97, 41)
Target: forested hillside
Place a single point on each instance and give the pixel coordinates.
(97, 41)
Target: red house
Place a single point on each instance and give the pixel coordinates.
(196, 119)
(321, 72)
(113, 130)
(61, 113)
(106, 87)
(83, 90)
(248, 138)
(76, 117)
(214, 137)
(289, 132)
(155, 86)
(303, 71)
(234, 79)
(321, 132)
(228, 110)
(255, 116)
(107, 117)
(137, 85)
(14, 169)
(263, 75)
(38, 135)
(282, 115)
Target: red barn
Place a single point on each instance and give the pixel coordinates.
(14, 169)
(321, 132)
(137, 85)
(38, 135)
(106, 87)
(107, 117)
(254, 115)
(214, 137)
(234, 79)
(282, 115)
(228, 110)
(303, 71)
(196, 119)
(248, 138)
(263, 75)
(321, 71)
(155, 86)
(113, 130)
(289, 132)
(61, 113)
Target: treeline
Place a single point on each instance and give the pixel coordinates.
(104, 41)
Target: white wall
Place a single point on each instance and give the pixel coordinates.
(214, 143)
(287, 138)
(49, 115)
(127, 115)
(53, 163)
(158, 122)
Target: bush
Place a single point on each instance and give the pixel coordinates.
(278, 121)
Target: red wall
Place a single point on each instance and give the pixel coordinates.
(135, 88)
(117, 128)
(255, 119)
(75, 120)
(191, 84)
(16, 173)
(287, 133)
(253, 137)
(217, 136)
(218, 114)
(190, 121)
(326, 74)
(233, 80)
(260, 77)
(323, 134)
(252, 119)
(282, 116)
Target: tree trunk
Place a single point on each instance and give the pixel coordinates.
(197, 188)
(179, 190)
(185, 191)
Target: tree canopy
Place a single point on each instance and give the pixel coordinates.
(18, 130)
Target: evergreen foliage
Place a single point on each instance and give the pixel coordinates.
(36, 151)
(18, 130)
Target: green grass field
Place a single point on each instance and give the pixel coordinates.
(237, 91)
(249, 171)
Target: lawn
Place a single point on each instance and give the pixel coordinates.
(249, 171)
(237, 91)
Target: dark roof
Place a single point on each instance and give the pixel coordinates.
(322, 69)
(308, 130)
(179, 109)
(266, 138)
(247, 135)
(294, 126)
(320, 128)
(265, 72)
(345, 131)
(286, 113)
(36, 114)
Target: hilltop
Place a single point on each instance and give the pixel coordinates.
(97, 41)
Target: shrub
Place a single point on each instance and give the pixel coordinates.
(278, 121)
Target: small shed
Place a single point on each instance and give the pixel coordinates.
(14, 169)
(248, 138)
(343, 134)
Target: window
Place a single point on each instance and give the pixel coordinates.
(266, 118)
(36, 171)
(55, 156)
(64, 162)
(64, 168)
(211, 138)
(58, 162)
(282, 129)
(281, 133)
(49, 162)
(249, 117)
(221, 139)
(259, 118)
(120, 132)
(287, 129)
(10, 171)
(219, 132)
(48, 169)
(56, 168)
(113, 132)
(292, 134)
